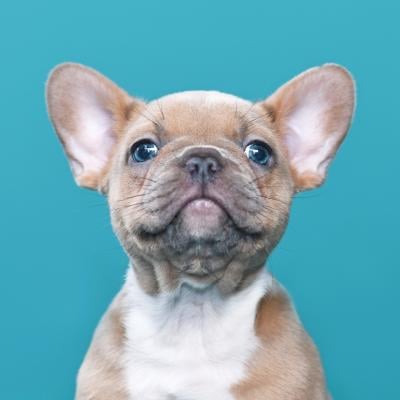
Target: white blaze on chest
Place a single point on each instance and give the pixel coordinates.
(190, 345)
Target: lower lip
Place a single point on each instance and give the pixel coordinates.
(202, 217)
(202, 205)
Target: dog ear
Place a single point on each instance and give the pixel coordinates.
(312, 114)
(88, 112)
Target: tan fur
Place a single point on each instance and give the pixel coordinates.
(100, 374)
(62, 107)
(340, 91)
(287, 366)
(142, 200)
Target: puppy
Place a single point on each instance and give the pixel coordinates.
(199, 186)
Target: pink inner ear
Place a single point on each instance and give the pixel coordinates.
(92, 142)
(310, 144)
(85, 108)
(313, 113)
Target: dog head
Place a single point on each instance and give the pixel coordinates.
(199, 183)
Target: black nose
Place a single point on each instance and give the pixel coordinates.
(202, 168)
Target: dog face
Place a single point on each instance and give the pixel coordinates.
(200, 181)
(198, 200)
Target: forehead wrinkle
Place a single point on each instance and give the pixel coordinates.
(202, 114)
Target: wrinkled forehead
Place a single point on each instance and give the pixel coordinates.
(203, 98)
(204, 115)
(201, 113)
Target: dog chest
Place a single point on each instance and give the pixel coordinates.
(189, 345)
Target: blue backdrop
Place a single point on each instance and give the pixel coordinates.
(60, 263)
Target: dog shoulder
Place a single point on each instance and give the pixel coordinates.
(288, 364)
(100, 376)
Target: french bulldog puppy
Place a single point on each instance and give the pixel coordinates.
(199, 186)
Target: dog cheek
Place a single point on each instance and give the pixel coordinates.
(276, 195)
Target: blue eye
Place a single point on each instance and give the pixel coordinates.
(144, 150)
(259, 152)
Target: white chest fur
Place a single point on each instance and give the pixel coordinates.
(189, 345)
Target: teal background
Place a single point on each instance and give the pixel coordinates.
(60, 263)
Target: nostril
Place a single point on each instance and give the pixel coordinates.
(212, 165)
(202, 168)
(193, 165)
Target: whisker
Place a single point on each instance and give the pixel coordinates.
(275, 199)
(153, 121)
(161, 110)
(252, 121)
(145, 178)
(132, 197)
(243, 116)
(158, 122)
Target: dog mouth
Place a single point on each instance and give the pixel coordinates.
(199, 222)
(212, 209)
(203, 212)
(196, 210)
(203, 206)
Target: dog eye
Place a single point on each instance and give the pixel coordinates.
(144, 150)
(259, 152)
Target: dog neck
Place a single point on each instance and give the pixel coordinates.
(164, 277)
(172, 334)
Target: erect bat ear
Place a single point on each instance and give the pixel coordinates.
(88, 112)
(312, 114)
